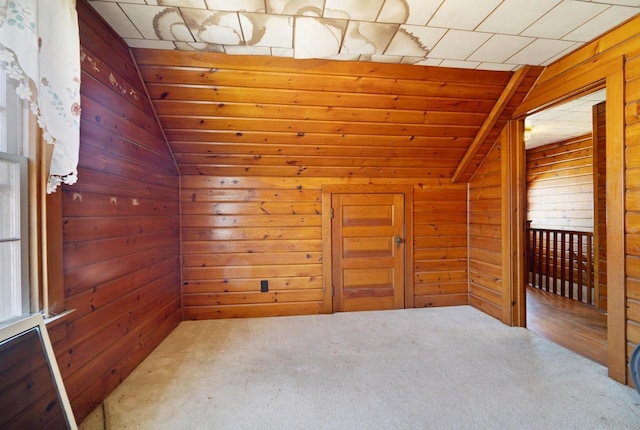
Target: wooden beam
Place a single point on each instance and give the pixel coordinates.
(491, 120)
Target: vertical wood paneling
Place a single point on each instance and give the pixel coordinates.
(560, 185)
(485, 233)
(120, 227)
(600, 201)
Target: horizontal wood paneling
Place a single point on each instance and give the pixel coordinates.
(120, 227)
(614, 56)
(632, 175)
(440, 245)
(560, 185)
(485, 234)
(237, 231)
(239, 116)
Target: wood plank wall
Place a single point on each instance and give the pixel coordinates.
(485, 233)
(600, 198)
(256, 138)
(120, 227)
(632, 178)
(618, 49)
(237, 231)
(560, 185)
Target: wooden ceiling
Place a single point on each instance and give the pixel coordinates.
(264, 116)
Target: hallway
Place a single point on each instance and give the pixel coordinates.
(569, 323)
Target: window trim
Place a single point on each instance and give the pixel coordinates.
(23, 190)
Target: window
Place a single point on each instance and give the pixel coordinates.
(14, 217)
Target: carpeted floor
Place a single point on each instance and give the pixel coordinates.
(442, 368)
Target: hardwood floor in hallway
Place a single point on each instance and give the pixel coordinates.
(569, 323)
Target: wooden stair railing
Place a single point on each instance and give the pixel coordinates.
(562, 262)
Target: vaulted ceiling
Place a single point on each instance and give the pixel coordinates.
(272, 112)
(264, 116)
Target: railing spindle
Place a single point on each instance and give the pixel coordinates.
(555, 265)
(546, 260)
(589, 270)
(580, 264)
(571, 253)
(555, 262)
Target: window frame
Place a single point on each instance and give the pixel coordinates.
(15, 112)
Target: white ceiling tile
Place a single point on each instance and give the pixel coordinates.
(282, 52)
(158, 22)
(463, 14)
(116, 18)
(199, 4)
(382, 58)
(318, 37)
(458, 44)
(576, 117)
(414, 12)
(499, 48)
(414, 41)
(210, 26)
(236, 5)
(513, 16)
(150, 44)
(568, 49)
(601, 23)
(539, 51)
(296, 7)
(344, 57)
(367, 37)
(621, 2)
(597, 96)
(199, 46)
(247, 50)
(422, 61)
(563, 19)
(260, 29)
(498, 67)
(458, 64)
(361, 10)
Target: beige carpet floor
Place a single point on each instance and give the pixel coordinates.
(443, 368)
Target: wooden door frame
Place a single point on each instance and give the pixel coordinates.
(581, 79)
(327, 261)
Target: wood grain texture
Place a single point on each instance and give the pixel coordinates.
(607, 61)
(560, 185)
(239, 116)
(120, 227)
(485, 227)
(600, 204)
(237, 231)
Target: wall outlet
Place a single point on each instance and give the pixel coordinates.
(264, 286)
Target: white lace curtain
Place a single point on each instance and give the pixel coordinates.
(39, 41)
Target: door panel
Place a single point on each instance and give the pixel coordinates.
(368, 262)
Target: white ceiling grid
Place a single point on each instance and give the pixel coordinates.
(477, 34)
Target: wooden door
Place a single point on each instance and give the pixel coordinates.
(368, 251)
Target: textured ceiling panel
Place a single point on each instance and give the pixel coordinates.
(459, 33)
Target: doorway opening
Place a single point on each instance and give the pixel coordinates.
(566, 293)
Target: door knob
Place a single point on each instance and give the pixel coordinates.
(398, 241)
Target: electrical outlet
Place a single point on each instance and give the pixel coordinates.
(264, 286)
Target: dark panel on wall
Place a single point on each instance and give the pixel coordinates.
(120, 227)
